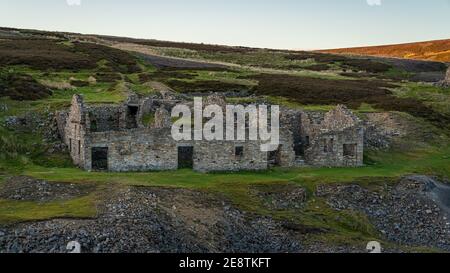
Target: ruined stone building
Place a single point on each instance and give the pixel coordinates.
(136, 136)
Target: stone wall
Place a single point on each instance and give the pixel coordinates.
(221, 156)
(381, 129)
(162, 118)
(327, 150)
(135, 150)
(75, 131)
(154, 150)
(310, 126)
(146, 108)
(287, 158)
(339, 118)
(334, 139)
(105, 118)
(324, 137)
(61, 121)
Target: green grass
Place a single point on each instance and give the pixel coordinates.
(345, 226)
(148, 119)
(260, 58)
(25, 211)
(253, 62)
(335, 227)
(24, 154)
(102, 93)
(428, 160)
(225, 76)
(92, 94)
(364, 108)
(397, 73)
(436, 97)
(141, 90)
(340, 227)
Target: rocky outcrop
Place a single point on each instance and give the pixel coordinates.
(446, 81)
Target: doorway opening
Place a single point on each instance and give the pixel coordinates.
(132, 117)
(185, 157)
(274, 157)
(100, 159)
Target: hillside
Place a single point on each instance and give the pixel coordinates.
(405, 114)
(438, 50)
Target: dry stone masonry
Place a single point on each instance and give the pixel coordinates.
(136, 136)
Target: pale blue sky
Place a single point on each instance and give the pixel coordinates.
(292, 24)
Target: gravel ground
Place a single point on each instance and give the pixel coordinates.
(167, 220)
(28, 189)
(409, 213)
(151, 221)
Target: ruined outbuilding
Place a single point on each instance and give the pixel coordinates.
(136, 136)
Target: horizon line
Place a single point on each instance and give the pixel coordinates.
(227, 45)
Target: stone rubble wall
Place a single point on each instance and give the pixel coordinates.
(61, 120)
(287, 152)
(135, 150)
(380, 129)
(106, 118)
(336, 129)
(162, 119)
(220, 156)
(75, 131)
(339, 119)
(145, 108)
(316, 154)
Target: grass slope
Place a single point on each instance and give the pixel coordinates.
(25, 211)
(284, 78)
